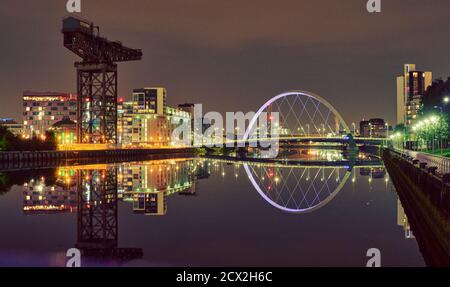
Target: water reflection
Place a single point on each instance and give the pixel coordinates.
(147, 184)
(92, 193)
(402, 220)
(297, 189)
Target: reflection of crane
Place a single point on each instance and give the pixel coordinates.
(98, 216)
(96, 79)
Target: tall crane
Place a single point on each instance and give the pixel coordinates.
(96, 79)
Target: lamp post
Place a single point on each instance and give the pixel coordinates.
(386, 125)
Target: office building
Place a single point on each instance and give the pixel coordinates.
(13, 126)
(373, 128)
(411, 87)
(364, 128)
(41, 110)
(148, 121)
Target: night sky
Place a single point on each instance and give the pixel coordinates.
(232, 55)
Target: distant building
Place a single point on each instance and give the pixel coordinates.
(364, 129)
(374, 128)
(41, 110)
(378, 128)
(13, 126)
(411, 87)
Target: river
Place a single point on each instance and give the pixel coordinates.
(206, 212)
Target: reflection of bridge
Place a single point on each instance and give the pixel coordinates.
(298, 189)
(286, 163)
(300, 186)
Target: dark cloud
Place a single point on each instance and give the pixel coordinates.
(232, 55)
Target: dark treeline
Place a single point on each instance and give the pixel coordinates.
(434, 96)
(10, 142)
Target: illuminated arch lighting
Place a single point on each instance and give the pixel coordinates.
(296, 93)
(250, 175)
(300, 210)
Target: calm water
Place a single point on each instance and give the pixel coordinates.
(199, 212)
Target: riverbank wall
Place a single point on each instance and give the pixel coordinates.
(39, 159)
(425, 196)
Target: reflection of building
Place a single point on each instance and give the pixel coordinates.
(411, 87)
(55, 198)
(13, 126)
(378, 172)
(402, 220)
(150, 203)
(147, 184)
(373, 172)
(374, 128)
(42, 110)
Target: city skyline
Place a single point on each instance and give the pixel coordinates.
(243, 65)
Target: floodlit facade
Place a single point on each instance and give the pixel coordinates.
(148, 122)
(41, 110)
(411, 87)
(149, 100)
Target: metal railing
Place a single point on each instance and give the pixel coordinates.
(442, 163)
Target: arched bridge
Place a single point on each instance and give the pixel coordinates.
(302, 117)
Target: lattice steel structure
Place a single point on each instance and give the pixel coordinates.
(97, 209)
(96, 79)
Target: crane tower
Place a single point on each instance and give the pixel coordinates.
(96, 79)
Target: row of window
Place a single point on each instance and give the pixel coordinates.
(28, 109)
(49, 113)
(49, 104)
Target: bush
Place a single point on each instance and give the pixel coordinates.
(10, 142)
